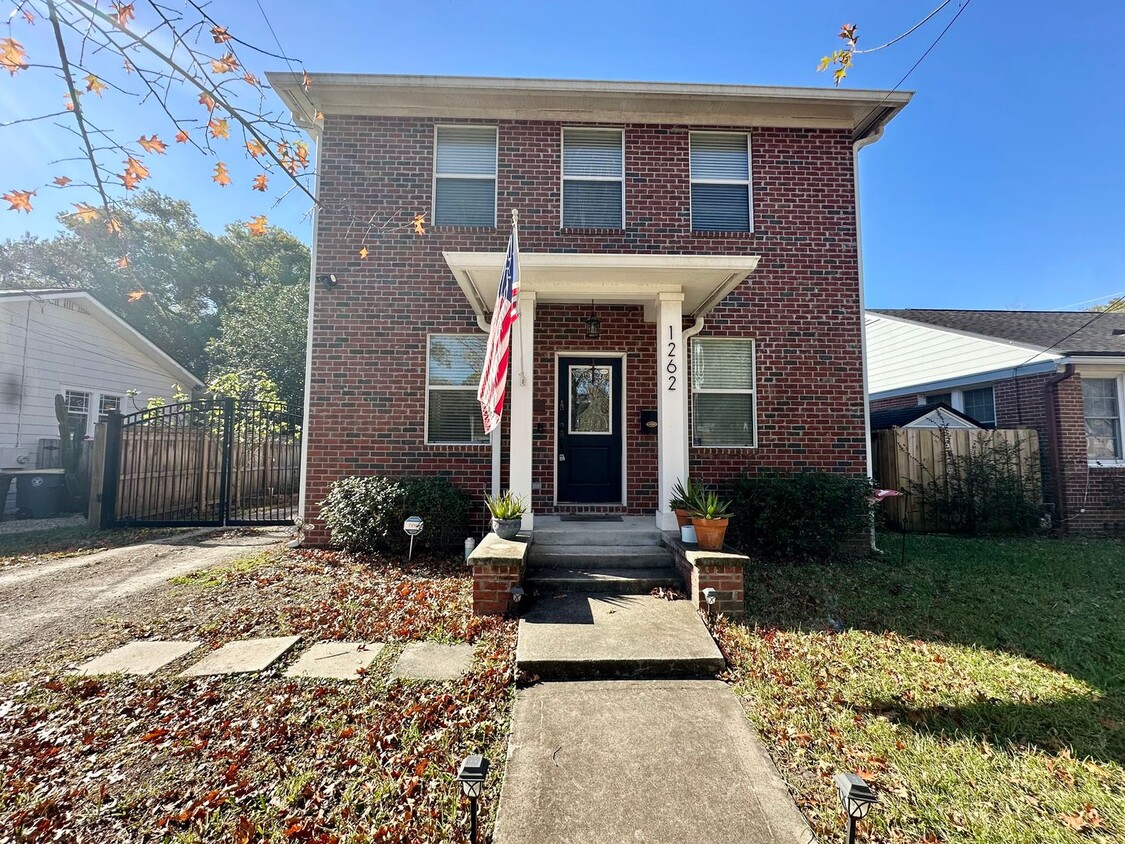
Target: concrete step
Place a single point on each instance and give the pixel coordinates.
(595, 533)
(598, 556)
(633, 581)
(615, 636)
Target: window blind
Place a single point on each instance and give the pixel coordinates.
(720, 181)
(465, 176)
(722, 379)
(452, 374)
(593, 178)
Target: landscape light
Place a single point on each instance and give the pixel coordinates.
(471, 775)
(856, 797)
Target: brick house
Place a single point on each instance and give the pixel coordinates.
(1061, 373)
(691, 295)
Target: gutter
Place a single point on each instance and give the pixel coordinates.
(1050, 401)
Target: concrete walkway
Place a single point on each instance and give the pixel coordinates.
(628, 759)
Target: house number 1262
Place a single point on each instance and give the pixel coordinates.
(671, 367)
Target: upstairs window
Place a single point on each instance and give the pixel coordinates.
(453, 368)
(593, 174)
(1103, 418)
(465, 176)
(720, 182)
(722, 393)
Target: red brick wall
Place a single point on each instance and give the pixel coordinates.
(369, 334)
(897, 403)
(1095, 496)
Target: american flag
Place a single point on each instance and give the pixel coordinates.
(494, 374)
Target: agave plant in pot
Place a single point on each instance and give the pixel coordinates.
(507, 511)
(683, 500)
(710, 516)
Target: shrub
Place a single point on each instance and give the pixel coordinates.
(800, 516)
(366, 513)
(989, 490)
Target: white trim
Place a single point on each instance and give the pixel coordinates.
(749, 182)
(752, 392)
(957, 399)
(94, 402)
(495, 173)
(1118, 380)
(450, 387)
(563, 177)
(586, 353)
(977, 378)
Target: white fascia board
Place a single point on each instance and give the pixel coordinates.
(977, 379)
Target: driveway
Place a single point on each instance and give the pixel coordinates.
(44, 604)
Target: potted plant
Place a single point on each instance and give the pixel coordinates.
(710, 516)
(682, 501)
(507, 511)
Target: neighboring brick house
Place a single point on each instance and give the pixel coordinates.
(689, 255)
(1061, 373)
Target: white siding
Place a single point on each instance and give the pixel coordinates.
(902, 354)
(52, 345)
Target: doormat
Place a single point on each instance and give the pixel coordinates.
(589, 517)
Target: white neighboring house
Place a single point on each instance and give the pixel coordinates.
(66, 341)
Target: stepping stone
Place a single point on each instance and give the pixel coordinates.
(428, 661)
(335, 660)
(137, 658)
(242, 657)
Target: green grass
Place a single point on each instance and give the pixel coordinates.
(57, 543)
(218, 575)
(980, 686)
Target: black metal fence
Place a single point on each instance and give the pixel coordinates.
(206, 462)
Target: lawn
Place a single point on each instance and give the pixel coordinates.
(979, 686)
(263, 757)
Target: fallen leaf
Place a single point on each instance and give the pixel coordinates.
(136, 296)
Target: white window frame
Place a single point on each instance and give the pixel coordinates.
(563, 178)
(495, 174)
(749, 182)
(1119, 386)
(93, 408)
(753, 391)
(426, 404)
(957, 399)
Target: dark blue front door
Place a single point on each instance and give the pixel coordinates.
(589, 430)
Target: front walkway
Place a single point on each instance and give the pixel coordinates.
(613, 760)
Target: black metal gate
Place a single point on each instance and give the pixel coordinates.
(206, 462)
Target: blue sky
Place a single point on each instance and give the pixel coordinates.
(1000, 186)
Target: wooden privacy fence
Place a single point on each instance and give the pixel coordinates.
(205, 462)
(914, 460)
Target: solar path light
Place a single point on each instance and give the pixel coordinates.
(856, 797)
(471, 776)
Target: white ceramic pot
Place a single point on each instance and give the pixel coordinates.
(687, 534)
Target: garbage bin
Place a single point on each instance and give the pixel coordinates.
(39, 494)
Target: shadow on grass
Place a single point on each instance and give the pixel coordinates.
(1058, 603)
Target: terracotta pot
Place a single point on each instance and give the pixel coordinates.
(506, 528)
(683, 517)
(710, 533)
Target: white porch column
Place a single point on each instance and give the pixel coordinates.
(521, 362)
(672, 385)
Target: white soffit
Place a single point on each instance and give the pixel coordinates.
(704, 280)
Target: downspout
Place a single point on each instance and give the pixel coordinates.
(856, 147)
(1050, 400)
(687, 334)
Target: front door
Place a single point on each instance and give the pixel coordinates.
(589, 430)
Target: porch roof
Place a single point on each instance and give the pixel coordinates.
(704, 280)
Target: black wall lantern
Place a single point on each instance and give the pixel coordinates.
(593, 325)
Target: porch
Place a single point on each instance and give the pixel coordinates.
(578, 405)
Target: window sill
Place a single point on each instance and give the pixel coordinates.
(1105, 464)
(592, 230)
(723, 233)
(454, 227)
(458, 445)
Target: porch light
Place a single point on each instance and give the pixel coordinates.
(856, 797)
(593, 325)
(471, 775)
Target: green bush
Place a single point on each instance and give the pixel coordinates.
(366, 513)
(800, 516)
